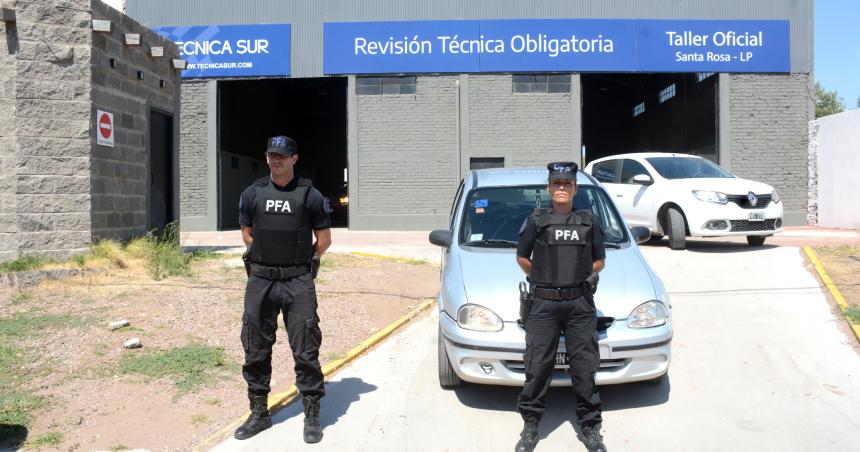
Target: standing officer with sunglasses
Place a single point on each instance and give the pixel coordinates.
(561, 251)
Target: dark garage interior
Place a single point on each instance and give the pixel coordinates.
(649, 112)
(310, 110)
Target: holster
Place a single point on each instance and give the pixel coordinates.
(246, 258)
(315, 266)
(591, 285)
(526, 298)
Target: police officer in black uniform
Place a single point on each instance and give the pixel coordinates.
(561, 251)
(280, 215)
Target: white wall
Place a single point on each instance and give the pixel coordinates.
(838, 158)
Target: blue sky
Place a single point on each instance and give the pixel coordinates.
(837, 47)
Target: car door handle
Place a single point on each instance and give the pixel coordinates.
(619, 195)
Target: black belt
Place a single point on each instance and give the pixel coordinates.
(267, 272)
(558, 293)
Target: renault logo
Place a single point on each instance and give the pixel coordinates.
(753, 199)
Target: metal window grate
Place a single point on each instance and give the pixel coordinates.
(540, 83)
(638, 109)
(667, 93)
(702, 75)
(376, 86)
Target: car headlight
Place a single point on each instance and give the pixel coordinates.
(478, 318)
(711, 196)
(646, 315)
(774, 196)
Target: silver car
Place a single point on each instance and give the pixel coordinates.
(479, 338)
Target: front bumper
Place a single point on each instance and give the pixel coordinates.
(626, 355)
(718, 220)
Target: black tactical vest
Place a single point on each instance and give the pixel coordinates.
(561, 256)
(283, 234)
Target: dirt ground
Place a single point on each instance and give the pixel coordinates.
(75, 365)
(843, 266)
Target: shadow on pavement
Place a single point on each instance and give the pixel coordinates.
(340, 394)
(560, 400)
(710, 246)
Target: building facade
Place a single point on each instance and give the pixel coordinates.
(85, 104)
(390, 112)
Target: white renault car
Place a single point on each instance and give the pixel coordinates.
(682, 195)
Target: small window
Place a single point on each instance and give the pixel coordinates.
(541, 83)
(638, 109)
(605, 171)
(477, 163)
(630, 168)
(667, 93)
(703, 75)
(370, 86)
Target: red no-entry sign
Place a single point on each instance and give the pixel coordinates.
(104, 124)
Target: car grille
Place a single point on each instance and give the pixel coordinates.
(741, 200)
(561, 365)
(750, 226)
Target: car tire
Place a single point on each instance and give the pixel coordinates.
(448, 379)
(677, 228)
(756, 240)
(659, 380)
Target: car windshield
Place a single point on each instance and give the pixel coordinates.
(494, 215)
(686, 168)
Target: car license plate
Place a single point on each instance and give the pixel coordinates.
(756, 216)
(560, 359)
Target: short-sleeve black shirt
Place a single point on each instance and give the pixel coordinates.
(528, 235)
(315, 202)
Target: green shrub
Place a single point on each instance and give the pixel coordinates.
(24, 263)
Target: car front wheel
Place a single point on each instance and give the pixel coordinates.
(755, 240)
(448, 379)
(677, 228)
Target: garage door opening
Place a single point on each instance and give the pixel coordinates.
(649, 112)
(310, 110)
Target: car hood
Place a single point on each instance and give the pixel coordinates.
(491, 278)
(729, 186)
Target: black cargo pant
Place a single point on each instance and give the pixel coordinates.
(296, 298)
(577, 318)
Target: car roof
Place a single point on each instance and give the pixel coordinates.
(500, 177)
(645, 155)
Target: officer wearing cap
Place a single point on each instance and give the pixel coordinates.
(561, 251)
(280, 216)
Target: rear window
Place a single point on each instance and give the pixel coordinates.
(687, 168)
(493, 215)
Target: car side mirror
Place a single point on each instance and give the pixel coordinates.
(642, 179)
(441, 237)
(641, 233)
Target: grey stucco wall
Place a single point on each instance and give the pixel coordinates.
(193, 155)
(120, 174)
(52, 126)
(769, 138)
(836, 161)
(532, 128)
(406, 157)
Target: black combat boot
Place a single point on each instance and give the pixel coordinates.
(592, 439)
(528, 437)
(313, 432)
(259, 419)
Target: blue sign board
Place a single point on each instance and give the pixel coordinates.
(232, 50)
(563, 45)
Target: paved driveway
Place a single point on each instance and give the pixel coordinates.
(760, 363)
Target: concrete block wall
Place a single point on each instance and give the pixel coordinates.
(534, 128)
(407, 157)
(8, 185)
(52, 126)
(120, 174)
(768, 121)
(194, 155)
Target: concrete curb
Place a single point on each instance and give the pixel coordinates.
(834, 291)
(280, 400)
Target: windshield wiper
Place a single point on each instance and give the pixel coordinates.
(491, 242)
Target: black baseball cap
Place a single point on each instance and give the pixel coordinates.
(562, 171)
(283, 145)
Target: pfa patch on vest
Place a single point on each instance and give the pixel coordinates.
(278, 206)
(566, 235)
